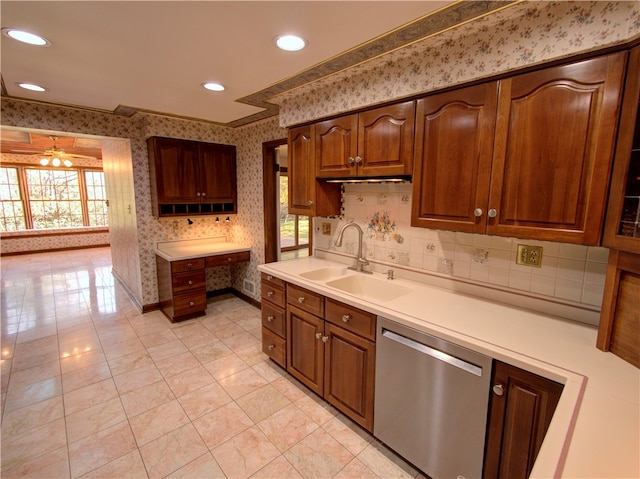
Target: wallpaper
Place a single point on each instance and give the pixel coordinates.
(521, 35)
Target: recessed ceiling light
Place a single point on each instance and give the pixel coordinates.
(290, 43)
(213, 86)
(31, 86)
(26, 37)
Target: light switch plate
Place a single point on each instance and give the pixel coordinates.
(326, 229)
(529, 255)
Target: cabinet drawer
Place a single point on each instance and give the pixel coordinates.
(273, 318)
(351, 319)
(187, 265)
(306, 300)
(272, 280)
(188, 303)
(272, 294)
(275, 347)
(183, 282)
(229, 258)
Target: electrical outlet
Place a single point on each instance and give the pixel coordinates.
(529, 255)
(326, 229)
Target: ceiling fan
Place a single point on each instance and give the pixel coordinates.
(54, 155)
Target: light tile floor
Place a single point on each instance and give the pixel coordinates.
(92, 388)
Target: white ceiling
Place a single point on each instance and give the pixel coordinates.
(154, 55)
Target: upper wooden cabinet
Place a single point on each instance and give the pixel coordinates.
(308, 196)
(622, 228)
(454, 147)
(550, 141)
(191, 178)
(376, 142)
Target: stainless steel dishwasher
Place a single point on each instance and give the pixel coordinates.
(431, 401)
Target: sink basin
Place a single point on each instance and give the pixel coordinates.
(369, 287)
(323, 274)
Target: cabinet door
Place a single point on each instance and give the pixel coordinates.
(385, 140)
(301, 171)
(305, 348)
(176, 170)
(350, 374)
(336, 146)
(453, 152)
(518, 421)
(554, 145)
(218, 174)
(622, 229)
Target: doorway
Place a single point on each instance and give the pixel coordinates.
(286, 236)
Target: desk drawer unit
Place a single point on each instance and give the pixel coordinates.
(229, 258)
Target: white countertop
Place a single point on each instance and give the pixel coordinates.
(197, 248)
(595, 432)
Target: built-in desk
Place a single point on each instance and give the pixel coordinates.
(181, 268)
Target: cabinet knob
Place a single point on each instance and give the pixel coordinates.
(271, 347)
(204, 194)
(351, 160)
(270, 318)
(269, 277)
(229, 259)
(492, 213)
(190, 282)
(191, 303)
(358, 160)
(309, 202)
(498, 390)
(325, 339)
(301, 299)
(269, 293)
(318, 335)
(477, 212)
(346, 317)
(189, 265)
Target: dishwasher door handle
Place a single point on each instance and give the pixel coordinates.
(432, 352)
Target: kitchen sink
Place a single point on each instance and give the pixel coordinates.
(369, 287)
(323, 274)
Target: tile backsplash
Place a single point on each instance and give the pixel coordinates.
(568, 273)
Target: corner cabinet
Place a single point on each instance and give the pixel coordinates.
(551, 139)
(308, 196)
(520, 412)
(377, 142)
(191, 178)
(622, 229)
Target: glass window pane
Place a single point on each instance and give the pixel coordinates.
(54, 196)
(12, 211)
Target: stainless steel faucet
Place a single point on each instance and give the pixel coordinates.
(361, 261)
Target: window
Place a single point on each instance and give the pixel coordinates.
(41, 198)
(294, 229)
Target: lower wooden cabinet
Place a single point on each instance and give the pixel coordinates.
(520, 411)
(274, 333)
(332, 357)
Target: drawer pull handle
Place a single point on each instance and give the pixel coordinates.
(346, 318)
(229, 259)
(269, 293)
(269, 277)
(270, 318)
(271, 347)
(191, 303)
(190, 282)
(318, 335)
(301, 299)
(189, 265)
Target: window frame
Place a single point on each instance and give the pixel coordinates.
(26, 204)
